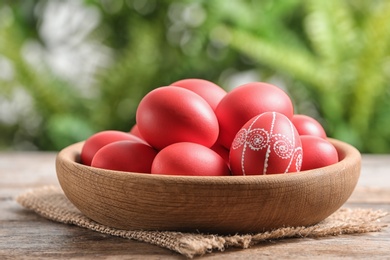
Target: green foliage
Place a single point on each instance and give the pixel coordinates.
(343, 66)
(332, 57)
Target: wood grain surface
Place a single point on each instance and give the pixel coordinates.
(25, 235)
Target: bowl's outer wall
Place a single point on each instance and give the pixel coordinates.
(232, 204)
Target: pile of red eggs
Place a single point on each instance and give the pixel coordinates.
(194, 127)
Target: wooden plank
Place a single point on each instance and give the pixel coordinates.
(370, 195)
(25, 234)
(375, 171)
(34, 236)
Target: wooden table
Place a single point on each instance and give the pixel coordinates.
(23, 234)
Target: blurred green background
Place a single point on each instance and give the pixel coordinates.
(72, 68)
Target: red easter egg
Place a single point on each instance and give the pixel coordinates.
(100, 139)
(126, 156)
(247, 101)
(222, 151)
(189, 159)
(208, 90)
(134, 131)
(267, 144)
(168, 115)
(317, 152)
(307, 125)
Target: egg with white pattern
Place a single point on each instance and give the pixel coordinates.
(267, 144)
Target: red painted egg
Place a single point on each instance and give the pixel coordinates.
(208, 90)
(267, 144)
(317, 152)
(128, 156)
(189, 159)
(222, 151)
(134, 131)
(169, 115)
(100, 139)
(247, 101)
(307, 125)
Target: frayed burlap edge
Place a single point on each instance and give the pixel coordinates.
(51, 203)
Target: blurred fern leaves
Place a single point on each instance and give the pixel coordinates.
(333, 57)
(343, 65)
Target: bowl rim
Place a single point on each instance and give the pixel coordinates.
(348, 155)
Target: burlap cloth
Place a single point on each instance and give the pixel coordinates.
(51, 203)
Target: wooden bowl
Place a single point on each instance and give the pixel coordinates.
(224, 205)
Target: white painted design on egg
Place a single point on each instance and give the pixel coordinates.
(257, 139)
(239, 139)
(296, 153)
(267, 154)
(243, 160)
(245, 145)
(275, 144)
(282, 146)
(299, 156)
